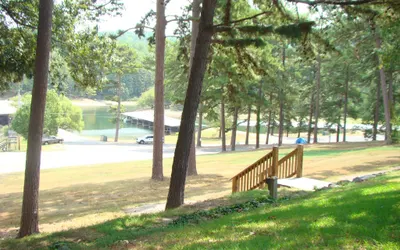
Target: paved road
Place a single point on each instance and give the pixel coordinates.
(82, 152)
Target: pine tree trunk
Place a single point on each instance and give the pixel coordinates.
(157, 173)
(117, 125)
(338, 129)
(281, 98)
(248, 126)
(299, 129)
(377, 105)
(318, 90)
(200, 125)
(287, 129)
(258, 125)
(378, 42)
(185, 137)
(30, 202)
(268, 127)
(273, 125)
(192, 169)
(346, 101)
(281, 118)
(310, 118)
(234, 129)
(390, 94)
(223, 137)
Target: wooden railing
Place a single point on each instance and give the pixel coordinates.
(257, 173)
(291, 164)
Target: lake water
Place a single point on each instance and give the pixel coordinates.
(97, 123)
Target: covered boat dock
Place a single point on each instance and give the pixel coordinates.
(145, 119)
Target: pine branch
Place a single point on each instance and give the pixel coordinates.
(244, 19)
(258, 42)
(339, 2)
(14, 18)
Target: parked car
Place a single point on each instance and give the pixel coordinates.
(146, 139)
(51, 140)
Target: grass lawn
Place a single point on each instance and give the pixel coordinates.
(356, 216)
(80, 196)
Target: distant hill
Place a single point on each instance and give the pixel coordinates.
(132, 40)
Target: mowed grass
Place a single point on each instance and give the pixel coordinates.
(356, 216)
(80, 196)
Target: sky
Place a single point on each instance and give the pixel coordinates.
(134, 10)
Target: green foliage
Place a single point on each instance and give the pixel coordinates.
(18, 24)
(113, 110)
(197, 217)
(59, 113)
(146, 99)
(4, 130)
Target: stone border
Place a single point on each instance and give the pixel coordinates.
(358, 179)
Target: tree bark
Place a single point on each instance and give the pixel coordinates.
(273, 125)
(377, 105)
(248, 126)
(338, 129)
(281, 98)
(390, 94)
(234, 129)
(179, 166)
(281, 118)
(378, 42)
(269, 119)
(268, 127)
(258, 125)
(223, 137)
(310, 119)
(118, 110)
(346, 101)
(200, 125)
(30, 202)
(192, 169)
(157, 173)
(287, 128)
(318, 90)
(299, 129)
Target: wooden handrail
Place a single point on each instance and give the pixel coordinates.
(255, 175)
(262, 159)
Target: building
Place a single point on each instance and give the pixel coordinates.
(145, 119)
(6, 110)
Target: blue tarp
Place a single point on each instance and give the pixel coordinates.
(301, 141)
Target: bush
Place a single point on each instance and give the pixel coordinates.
(396, 136)
(4, 130)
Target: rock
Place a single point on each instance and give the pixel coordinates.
(323, 188)
(123, 242)
(343, 182)
(364, 178)
(332, 185)
(358, 179)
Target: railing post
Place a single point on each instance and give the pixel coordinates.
(273, 187)
(275, 158)
(299, 170)
(234, 185)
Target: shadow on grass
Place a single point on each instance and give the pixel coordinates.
(68, 203)
(371, 166)
(359, 216)
(366, 216)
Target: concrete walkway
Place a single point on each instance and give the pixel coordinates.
(303, 183)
